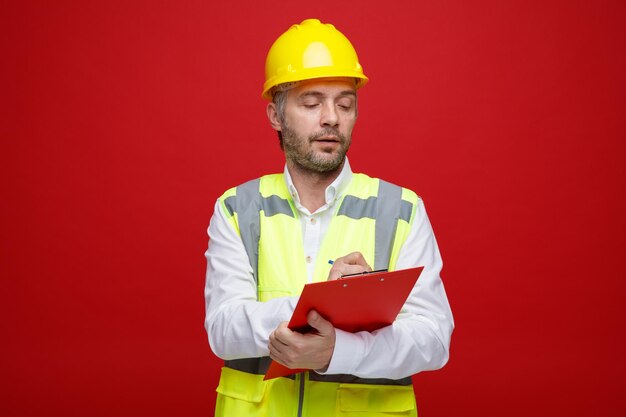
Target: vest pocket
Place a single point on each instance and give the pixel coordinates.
(241, 385)
(244, 394)
(375, 400)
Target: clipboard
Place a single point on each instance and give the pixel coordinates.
(365, 302)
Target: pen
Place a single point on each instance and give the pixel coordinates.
(363, 273)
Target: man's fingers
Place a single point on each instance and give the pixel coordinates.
(340, 269)
(278, 342)
(355, 269)
(352, 263)
(275, 348)
(282, 334)
(356, 258)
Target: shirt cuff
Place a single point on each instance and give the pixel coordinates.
(349, 348)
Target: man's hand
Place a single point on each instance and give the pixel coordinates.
(352, 263)
(311, 350)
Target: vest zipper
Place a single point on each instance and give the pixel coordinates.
(301, 394)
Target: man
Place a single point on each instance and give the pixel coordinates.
(270, 236)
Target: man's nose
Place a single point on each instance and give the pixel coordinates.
(329, 115)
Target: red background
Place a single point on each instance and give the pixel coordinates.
(122, 122)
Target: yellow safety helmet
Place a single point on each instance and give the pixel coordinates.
(310, 50)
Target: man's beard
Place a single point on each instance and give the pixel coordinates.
(298, 152)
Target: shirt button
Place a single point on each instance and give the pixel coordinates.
(313, 221)
(308, 259)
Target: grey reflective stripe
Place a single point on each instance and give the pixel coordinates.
(357, 208)
(248, 203)
(256, 366)
(248, 210)
(406, 210)
(301, 396)
(274, 205)
(259, 366)
(231, 204)
(271, 205)
(387, 215)
(351, 379)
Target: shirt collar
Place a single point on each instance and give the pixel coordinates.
(333, 192)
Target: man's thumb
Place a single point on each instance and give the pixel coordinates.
(318, 322)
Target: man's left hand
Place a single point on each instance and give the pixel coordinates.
(311, 350)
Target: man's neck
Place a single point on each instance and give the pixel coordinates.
(312, 186)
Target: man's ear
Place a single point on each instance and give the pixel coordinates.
(272, 116)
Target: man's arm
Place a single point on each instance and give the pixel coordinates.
(420, 338)
(237, 324)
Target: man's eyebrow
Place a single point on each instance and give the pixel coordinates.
(318, 94)
(350, 93)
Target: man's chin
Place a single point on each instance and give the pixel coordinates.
(329, 163)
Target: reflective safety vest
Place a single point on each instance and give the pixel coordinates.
(373, 217)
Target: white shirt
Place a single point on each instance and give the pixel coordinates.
(239, 326)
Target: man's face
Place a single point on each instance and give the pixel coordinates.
(319, 118)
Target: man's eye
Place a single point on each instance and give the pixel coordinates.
(310, 105)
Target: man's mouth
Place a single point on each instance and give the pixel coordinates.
(328, 139)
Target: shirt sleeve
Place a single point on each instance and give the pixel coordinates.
(419, 339)
(238, 326)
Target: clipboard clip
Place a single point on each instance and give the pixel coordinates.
(362, 273)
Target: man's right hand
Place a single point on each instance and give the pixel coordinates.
(352, 263)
